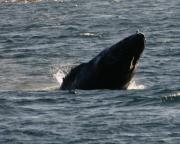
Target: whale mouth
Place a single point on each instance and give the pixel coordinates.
(138, 41)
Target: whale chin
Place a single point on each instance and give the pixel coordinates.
(113, 68)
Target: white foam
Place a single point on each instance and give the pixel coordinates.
(175, 94)
(59, 75)
(32, 86)
(134, 85)
(87, 34)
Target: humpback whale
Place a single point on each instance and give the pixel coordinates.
(113, 68)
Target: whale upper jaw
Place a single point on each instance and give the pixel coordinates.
(124, 53)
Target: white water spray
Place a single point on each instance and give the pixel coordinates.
(134, 85)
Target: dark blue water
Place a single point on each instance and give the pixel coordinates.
(39, 38)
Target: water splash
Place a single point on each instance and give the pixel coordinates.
(59, 71)
(59, 75)
(134, 85)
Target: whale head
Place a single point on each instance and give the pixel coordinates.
(117, 64)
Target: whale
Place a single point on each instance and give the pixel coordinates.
(113, 68)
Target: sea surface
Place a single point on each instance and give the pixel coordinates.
(39, 40)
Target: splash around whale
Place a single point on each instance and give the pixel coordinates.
(113, 68)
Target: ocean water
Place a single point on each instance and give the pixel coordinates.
(40, 38)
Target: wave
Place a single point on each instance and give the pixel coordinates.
(27, 1)
(171, 98)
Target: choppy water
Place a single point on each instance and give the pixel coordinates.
(38, 37)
